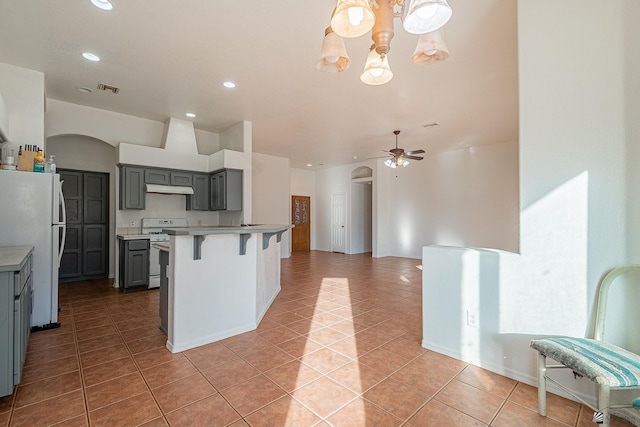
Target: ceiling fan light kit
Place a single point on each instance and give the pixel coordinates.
(354, 18)
(394, 163)
(399, 156)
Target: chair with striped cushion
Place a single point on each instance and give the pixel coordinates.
(609, 366)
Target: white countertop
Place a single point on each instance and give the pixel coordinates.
(163, 246)
(227, 229)
(12, 257)
(133, 236)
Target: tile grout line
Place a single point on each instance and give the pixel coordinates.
(80, 368)
(139, 369)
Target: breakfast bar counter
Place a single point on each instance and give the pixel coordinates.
(221, 281)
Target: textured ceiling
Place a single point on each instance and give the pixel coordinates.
(170, 57)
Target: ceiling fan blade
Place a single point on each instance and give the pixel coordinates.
(412, 157)
(414, 152)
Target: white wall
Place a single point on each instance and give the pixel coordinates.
(63, 118)
(23, 94)
(463, 197)
(460, 198)
(573, 203)
(632, 124)
(4, 117)
(303, 183)
(271, 200)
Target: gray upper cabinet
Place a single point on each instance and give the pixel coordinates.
(132, 187)
(199, 200)
(157, 176)
(234, 190)
(181, 179)
(219, 191)
(226, 190)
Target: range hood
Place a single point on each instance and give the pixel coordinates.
(168, 189)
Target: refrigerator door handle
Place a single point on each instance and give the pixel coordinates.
(64, 225)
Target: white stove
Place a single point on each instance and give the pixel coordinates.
(153, 227)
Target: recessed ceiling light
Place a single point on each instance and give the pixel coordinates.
(309, 164)
(102, 4)
(84, 90)
(229, 85)
(190, 115)
(355, 157)
(91, 56)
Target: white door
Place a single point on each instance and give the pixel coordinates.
(338, 219)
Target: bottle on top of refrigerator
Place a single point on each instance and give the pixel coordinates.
(50, 167)
(38, 162)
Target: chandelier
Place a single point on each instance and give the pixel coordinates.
(353, 18)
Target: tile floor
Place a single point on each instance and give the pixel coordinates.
(340, 346)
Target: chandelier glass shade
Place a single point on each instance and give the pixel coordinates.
(353, 18)
(425, 16)
(334, 57)
(430, 49)
(376, 70)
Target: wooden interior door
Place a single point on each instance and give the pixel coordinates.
(301, 218)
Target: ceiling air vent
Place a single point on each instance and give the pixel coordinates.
(108, 88)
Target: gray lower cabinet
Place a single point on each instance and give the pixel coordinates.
(132, 194)
(134, 264)
(16, 289)
(226, 190)
(199, 200)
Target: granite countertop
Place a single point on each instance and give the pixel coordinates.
(11, 257)
(227, 229)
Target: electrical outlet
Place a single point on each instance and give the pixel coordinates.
(473, 319)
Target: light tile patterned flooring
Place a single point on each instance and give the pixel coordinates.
(340, 346)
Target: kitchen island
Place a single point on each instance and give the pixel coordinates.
(221, 281)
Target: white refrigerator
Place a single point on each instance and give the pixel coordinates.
(32, 214)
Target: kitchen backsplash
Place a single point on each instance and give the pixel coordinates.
(168, 206)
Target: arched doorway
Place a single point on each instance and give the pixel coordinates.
(87, 166)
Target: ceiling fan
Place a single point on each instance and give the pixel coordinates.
(399, 156)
